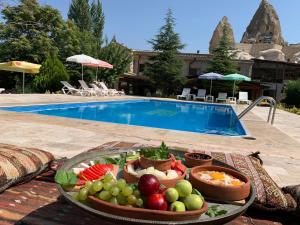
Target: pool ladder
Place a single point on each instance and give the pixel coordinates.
(272, 110)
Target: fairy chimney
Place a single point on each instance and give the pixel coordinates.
(264, 26)
(218, 34)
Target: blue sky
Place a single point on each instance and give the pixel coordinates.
(136, 21)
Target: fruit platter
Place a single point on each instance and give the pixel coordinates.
(155, 186)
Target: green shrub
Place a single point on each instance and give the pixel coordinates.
(51, 73)
(293, 93)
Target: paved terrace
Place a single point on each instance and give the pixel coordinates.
(279, 144)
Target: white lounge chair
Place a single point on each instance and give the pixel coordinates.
(111, 91)
(222, 97)
(185, 94)
(86, 88)
(1, 90)
(99, 91)
(201, 95)
(243, 97)
(68, 89)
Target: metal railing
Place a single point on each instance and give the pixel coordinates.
(272, 110)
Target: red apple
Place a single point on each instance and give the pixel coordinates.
(148, 184)
(157, 201)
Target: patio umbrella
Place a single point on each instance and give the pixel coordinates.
(236, 77)
(21, 67)
(82, 59)
(99, 64)
(211, 77)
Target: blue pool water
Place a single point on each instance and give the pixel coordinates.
(182, 116)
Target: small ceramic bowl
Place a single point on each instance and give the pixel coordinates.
(220, 192)
(203, 160)
(162, 165)
(130, 178)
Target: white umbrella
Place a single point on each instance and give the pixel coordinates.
(82, 59)
(211, 77)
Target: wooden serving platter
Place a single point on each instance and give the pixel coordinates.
(145, 216)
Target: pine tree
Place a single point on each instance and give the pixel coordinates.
(166, 69)
(51, 73)
(222, 61)
(98, 20)
(79, 13)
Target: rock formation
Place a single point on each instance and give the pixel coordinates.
(296, 58)
(264, 26)
(241, 55)
(272, 54)
(218, 33)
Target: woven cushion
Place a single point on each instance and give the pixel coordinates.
(21, 164)
(268, 195)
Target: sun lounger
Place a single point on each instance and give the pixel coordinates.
(68, 89)
(243, 97)
(222, 97)
(111, 91)
(86, 88)
(185, 94)
(2, 90)
(201, 95)
(99, 91)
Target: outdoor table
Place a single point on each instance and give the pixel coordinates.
(231, 100)
(191, 97)
(209, 98)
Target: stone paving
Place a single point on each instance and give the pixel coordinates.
(67, 137)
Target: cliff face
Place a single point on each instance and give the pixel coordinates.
(264, 26)
(218, 33)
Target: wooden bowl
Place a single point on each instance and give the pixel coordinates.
(130, 178)
(218, 192)
(145, 214)
(162, 165)
(192, 162)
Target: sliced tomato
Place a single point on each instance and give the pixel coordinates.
(91, 173)
(104, 168)
(179, 166)
(83, 176)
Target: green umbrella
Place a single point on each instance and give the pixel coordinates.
(236, 77)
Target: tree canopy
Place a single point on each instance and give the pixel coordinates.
(79, 13)
(27, 31)
(222, 60)
(117, 55)
(166, 68)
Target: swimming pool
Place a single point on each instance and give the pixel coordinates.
(172, 115)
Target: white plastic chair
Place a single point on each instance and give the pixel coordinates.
(243, 97)
(201, 95)
(1, 90)
(185, 94)
(221, 97)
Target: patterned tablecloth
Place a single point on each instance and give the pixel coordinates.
(38, 203)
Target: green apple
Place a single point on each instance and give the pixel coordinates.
(177, 207)
(184, 188)
(193, 202)
(172, 195)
